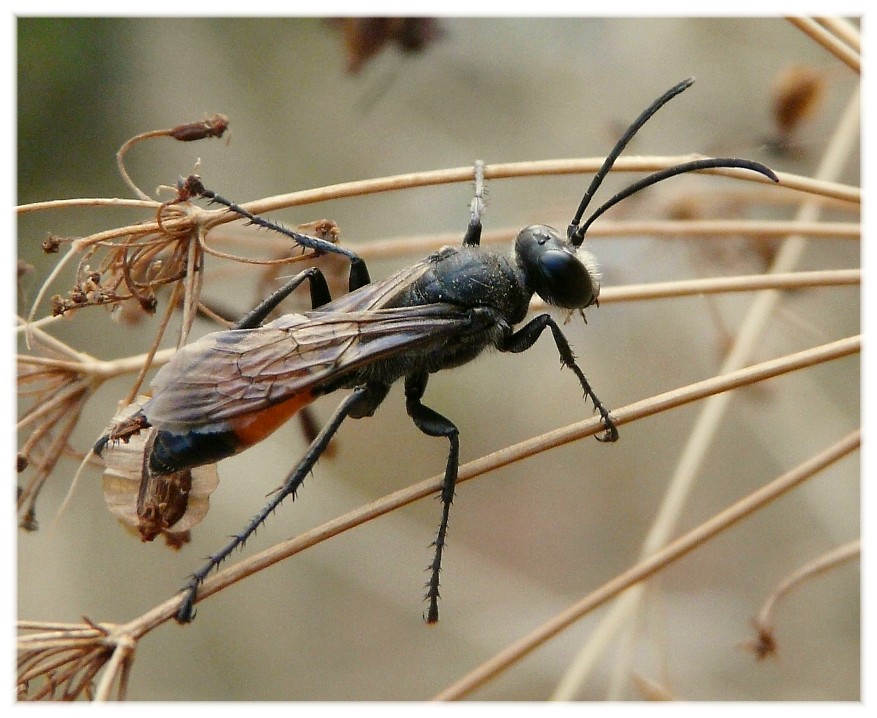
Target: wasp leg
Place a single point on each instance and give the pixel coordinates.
(359, 276)
(319, 296)
(432, 423)
(476, 208)
(527, 335)
(294, 480)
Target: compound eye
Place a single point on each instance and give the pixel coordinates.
(563, 275)
(565, 281)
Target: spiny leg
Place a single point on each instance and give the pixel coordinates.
(293, 481)
(432, 423)
(527, 335)
(359, 275)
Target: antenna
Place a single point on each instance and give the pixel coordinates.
(576, 233)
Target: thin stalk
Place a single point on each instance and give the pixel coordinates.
(650, 566)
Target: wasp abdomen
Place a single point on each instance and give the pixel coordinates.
(174, 451)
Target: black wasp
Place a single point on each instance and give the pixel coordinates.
(230, 389)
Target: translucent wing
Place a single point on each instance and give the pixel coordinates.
(378, 295)
(240, 371)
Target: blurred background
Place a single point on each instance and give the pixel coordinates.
(342, 621)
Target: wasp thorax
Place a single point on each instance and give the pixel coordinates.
(560, 273)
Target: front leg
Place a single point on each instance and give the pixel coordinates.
(527, 335)
(359, 275)
(432, 423)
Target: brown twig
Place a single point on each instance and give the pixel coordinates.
(843, 52)
(648, 567)
(765, 643)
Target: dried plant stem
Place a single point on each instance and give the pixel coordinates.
(765, 643)
(149, 358)
(211, 126)
(54, 274)
(715, 229)
(194, 281)
(195, 218)
(509, 170)
(65, 396)
(715, 285)
(829, 41)
(713, 411)
(114, 202)
(843, 29)
(211, 218)
(748, 336)
(135, 629)
(652, 690)
(647, 567)
(725, 228)
(120, 159)
(118, 668)
(515, 453)
(102, 368)
(53, 452)
(86, 363)
(712, 229)
(200, 220)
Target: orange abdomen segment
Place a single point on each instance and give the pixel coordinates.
(172, 451)
(253, 428)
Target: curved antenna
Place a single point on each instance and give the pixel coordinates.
(577, 234)
(644, 117)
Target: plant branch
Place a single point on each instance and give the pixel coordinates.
(649, 566)
(765, 643)
(843, 52)
(742, 283)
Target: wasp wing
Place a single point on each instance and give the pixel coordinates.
(387, 292)
(381, 293)
(231, 373)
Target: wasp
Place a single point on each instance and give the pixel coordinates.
(229, 390)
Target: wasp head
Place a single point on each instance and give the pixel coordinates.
(562, 274)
